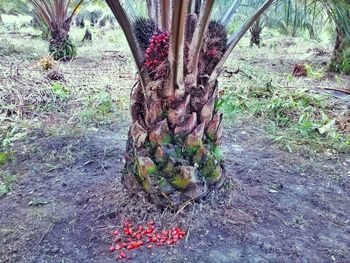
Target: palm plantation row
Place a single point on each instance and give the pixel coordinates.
(292, 17)
(180, 47)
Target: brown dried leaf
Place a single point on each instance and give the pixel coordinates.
(160, 133)
(138, 133)
(188, 126)
(178, 114)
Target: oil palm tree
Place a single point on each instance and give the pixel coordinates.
(173, 148)
(290, 17)
(339, 12)
(294, 16)
(57, 15)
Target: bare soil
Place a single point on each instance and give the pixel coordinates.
(275, 207)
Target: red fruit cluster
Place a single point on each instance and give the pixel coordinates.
(212, 52)
(157, 54)
(134, 237)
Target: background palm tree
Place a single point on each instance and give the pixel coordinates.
(339, 12)
(293, 17)
(173, 150)
(57, 15)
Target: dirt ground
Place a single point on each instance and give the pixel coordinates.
(276, 206)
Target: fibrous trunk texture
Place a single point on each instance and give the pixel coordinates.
(173, 148)
(87, 36)
(340, 61)
(173, 144)
(255, 32)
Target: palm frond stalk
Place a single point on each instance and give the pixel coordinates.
(173, 148)
(56, 15)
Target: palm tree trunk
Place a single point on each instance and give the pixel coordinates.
(340, 61)
(173, 147)
(255, 32)
(173, 143)
(61, 47)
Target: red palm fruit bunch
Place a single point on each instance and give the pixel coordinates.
(156, 56)
(131, 237)
(217, 39)
(215, 44)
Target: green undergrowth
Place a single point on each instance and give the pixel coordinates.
(6, 181)
(296, 118)
(101, 107)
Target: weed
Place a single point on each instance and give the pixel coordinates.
(312, 73)
(6, 181)
(60, 90)
(4, 157)
(295, 118)
(62, 50)
(8, 135)
(11, 134)
(99, 107)
(345, 64)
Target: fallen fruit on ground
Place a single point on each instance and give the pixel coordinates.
(131, 237)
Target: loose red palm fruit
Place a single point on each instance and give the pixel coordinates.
(122, 254)
(129, 247)
(139, 243)
(111, 248)
(118, 247)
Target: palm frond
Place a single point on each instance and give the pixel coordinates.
(236, 37)
(127, 28)
(177, 45)
(198, 36)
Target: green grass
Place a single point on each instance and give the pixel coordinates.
(60, 90)
(6, 181)
(100, 107)
(296, 118)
